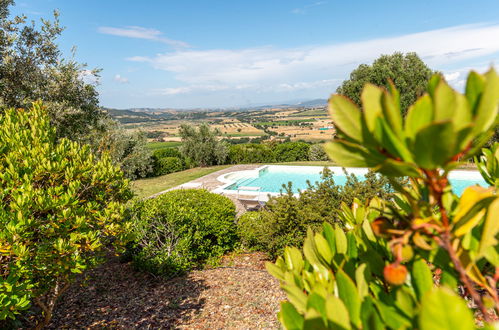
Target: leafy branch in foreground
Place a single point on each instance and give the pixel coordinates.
(376, 271)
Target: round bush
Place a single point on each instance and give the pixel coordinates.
(181, 229)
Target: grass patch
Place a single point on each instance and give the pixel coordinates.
(162, 145)
(147, 187)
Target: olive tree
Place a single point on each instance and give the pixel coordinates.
(32, 68)
(202, 145)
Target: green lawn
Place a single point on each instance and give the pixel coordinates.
(147, 187)
(161, 145)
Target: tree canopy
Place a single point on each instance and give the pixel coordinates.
(202, 145)
(32, 68)
(408, 72)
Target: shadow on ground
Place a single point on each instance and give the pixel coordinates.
(116, 296)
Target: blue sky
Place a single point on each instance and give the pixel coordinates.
(187, 54)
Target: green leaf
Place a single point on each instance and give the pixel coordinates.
(433, 83)
(391, 111)
(346, 117)
(487, 108)
(337, 313)
(349, 295)
(341, 240)
(444, 102)
(434, 145)
(419, 115)
(392, 167)
(371, 104)
(317, 302)
(443, 309)
(421, 277)
(323, 248)
(362, 278)
(390, 141)
(474, 89)
(289, 317)
(293, 258)
(351, 155)
(491, 227)
(296, 296)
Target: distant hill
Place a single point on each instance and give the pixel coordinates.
(140, 112)
(313, 103)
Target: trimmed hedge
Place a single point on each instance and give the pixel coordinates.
(181, 229)
(291, 151)
(251, 153)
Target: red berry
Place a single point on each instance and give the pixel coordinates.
(395, 274)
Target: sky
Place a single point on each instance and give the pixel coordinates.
(207, 54)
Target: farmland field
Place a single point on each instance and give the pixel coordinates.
(162, 128)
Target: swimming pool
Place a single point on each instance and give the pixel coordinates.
(269, 179)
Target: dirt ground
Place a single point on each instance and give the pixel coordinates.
(238, 295)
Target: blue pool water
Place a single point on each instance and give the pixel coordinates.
(271, 178)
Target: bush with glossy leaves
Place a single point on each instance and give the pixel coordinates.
(358, 276)
(60, 209)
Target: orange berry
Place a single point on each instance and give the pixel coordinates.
(395, 274)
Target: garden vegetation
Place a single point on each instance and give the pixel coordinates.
(60, 209)
(377, 270)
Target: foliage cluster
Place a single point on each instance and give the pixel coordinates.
(202, 145)
(269, 152)
(127, 149)
(169, 160)
(60, 207)
(408, 73)
(377, 270)
(32, 69)
(181, 229)
(317, 153)
(285, 219)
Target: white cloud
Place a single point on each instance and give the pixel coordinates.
(120, 79)
(139, 32)
(452, 76)
(303, 10)
(270, 68)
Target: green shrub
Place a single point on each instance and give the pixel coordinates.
(317, 153)
(250, 228)
(166, 152)
(285, 219)
(291, 151)
(379, 270)
(60, 208)
(181, 229)
(168, 160)
(250, 153)
(168, 165)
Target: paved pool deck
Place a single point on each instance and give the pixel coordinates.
(210, 182)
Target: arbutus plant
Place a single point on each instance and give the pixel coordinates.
(401, 262)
